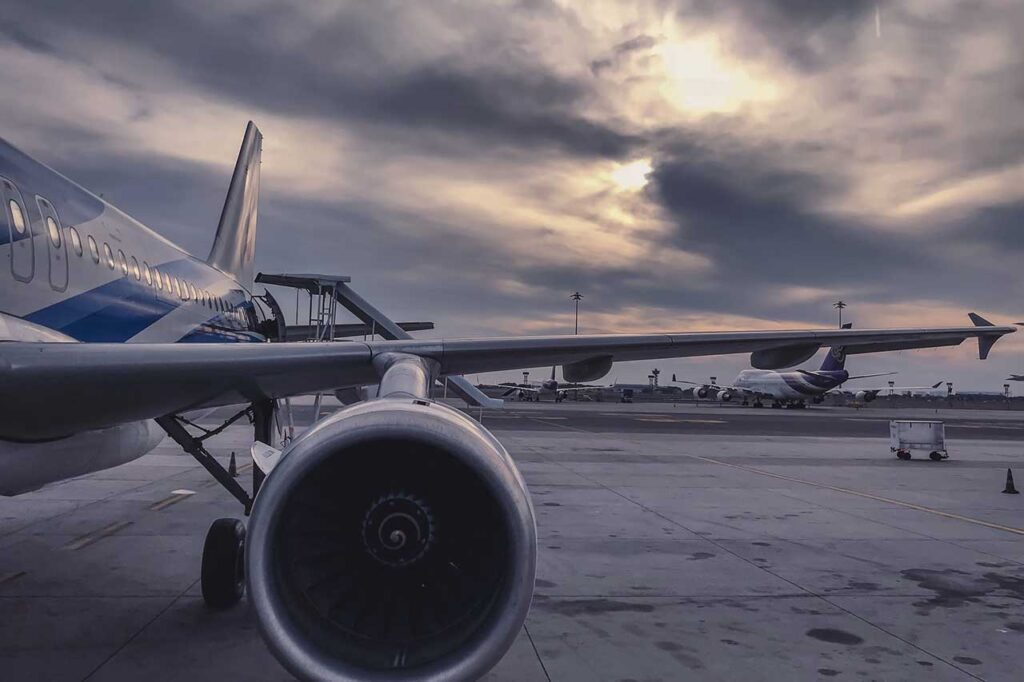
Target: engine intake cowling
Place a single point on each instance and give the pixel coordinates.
(724, 396)
(394, 540)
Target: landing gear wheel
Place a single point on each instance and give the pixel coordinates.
(223, 572)
(903, 454)
(936, 456)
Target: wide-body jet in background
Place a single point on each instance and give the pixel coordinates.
(395, 538)
(795, 388)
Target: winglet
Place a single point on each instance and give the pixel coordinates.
(979, 321)
(986, 342)
(936, 384)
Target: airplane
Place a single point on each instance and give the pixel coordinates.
(394, 538)
(793, 389)
(549, 387)
(1015, 377)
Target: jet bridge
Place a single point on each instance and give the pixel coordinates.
(327, 291)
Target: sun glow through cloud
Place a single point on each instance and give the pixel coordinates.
(701, 80)
(632, 176)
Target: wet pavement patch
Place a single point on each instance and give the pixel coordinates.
(966, 660)
(697, 556)
(828, 672)
(955, 588)
(834, 636)
(581, 607)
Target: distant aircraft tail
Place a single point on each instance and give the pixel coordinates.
(235, 243)
(836, 358)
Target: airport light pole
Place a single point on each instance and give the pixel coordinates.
(839, 305)
(576, 296)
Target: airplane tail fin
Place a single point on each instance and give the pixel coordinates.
(235, 243)
(836, 358)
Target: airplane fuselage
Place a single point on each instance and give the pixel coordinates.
(790, 385)
(77, 269)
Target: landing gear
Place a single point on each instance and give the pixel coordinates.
(903, 454)
(758, 403)
(937, 456)
(223, 566)
(223, 570)
(776, 405)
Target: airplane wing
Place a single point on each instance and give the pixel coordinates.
(898, 389)
(509, 390)
(54, 389)
(859, 376)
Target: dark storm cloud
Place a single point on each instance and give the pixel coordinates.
(346, 67)
(764, 227)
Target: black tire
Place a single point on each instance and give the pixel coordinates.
(935, 456)
(903, 454)
(223, 572)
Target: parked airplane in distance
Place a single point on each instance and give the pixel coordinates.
(394, 539)
(536, 390)
(794, 388)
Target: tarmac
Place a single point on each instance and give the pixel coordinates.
(676, 542)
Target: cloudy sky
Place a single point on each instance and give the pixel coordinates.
(686, 164)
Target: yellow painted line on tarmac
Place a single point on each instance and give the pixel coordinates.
(869, 496)
(10, 577)
(90, 538)
(176, 497)
(983, 426)
(676, 420)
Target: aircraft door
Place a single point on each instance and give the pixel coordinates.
(19, 232)
(56, 249)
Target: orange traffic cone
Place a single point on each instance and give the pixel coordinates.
(1010, 489)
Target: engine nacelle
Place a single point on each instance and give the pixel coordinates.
(702, 392)
(864, 396)
(724, 396)
(394, 540)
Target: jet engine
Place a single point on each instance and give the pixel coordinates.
(865, 396)
(702, 392)
(723, 395)
(394, 540)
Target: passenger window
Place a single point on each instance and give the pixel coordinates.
(177, 286)
(53, 231)
(148, 274)
(123, 261)
(76, 241)
(94, 249)
(135, 269)
(192, 292)
(167, 282)
(108, 255)
(17, 216)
